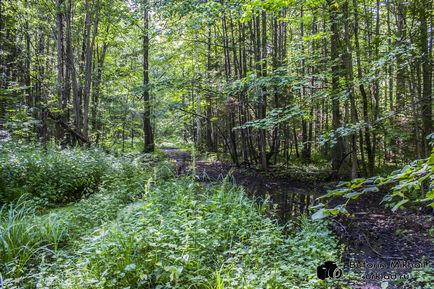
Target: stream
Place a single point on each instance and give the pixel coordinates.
(287, 198)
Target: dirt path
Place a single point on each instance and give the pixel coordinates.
(372, 234)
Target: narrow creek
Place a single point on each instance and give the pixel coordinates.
(287, 198)
(289, 201)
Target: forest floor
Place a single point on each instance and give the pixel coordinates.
(372, 234)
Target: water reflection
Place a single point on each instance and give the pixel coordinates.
(288, 202)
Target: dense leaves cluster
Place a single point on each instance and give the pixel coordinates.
(182, 235)
(143, 228)
(50, 175)
(413, 184)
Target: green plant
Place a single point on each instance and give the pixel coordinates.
(51, 176)
(23, 235)
(180, 234)
(52, 229)
(413, 184)
(18, 241)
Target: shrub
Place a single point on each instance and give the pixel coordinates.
(29, 238)
(52, 176)
(181, 235)
(411, 185)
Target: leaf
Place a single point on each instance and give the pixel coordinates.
(430, 195)
(334, 193)
(337, 210)
(370, 189)
(386, 198)
(130, 267)
(353, 195)
(399, 204)
(320, 205)
(320, 214)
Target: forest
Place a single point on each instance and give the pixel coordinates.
(216, 144)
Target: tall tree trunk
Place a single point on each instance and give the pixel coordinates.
(365, 102)
(209, 136)
(3, 67)
(338, 149)
(262, 107)
(147, 128)
(305, 151)
(60, 63)
(348, 65)
(426, 101)
(400, 63)
(90, 42)
(97, 89)
(72, 70)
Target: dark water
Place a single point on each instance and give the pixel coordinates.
(287, 202)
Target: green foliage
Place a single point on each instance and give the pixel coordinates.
(143, 228)
(125, 183)
(49, 175)
(424, 276)
(23, 234)
(413, 184)
(275, 117)
(182, 235)
(27, 238)
(309, 173)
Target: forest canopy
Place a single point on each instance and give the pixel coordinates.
(266, 82)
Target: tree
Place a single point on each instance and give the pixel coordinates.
(147, 128)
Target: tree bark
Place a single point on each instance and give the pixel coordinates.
(338, 149)
(426, 101)
(147, 128)
(60, 61)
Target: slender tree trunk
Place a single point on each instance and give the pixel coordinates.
(348, 64)
(400, 63)
(365, 103)
(209, 138)
(338, 149)
(262, 107)
(427, 68)
(3, 67)
(97, 89)
(90, 42)
(60, 62)
(147, 128)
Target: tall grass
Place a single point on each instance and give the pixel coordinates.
(17, 236)
(23, 235)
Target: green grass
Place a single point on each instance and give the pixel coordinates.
(182, 235)
(23, 235)
(144, 228)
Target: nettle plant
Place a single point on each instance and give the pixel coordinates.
(411, 185)
(49, 175)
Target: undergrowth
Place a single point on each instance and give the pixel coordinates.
(182, 235)
(143, 228)
(49, 175)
